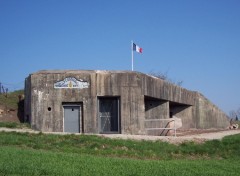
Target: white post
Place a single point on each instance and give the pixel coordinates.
(132, 53)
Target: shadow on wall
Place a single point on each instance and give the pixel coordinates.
(20, 112)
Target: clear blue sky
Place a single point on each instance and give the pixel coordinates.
(197, 41)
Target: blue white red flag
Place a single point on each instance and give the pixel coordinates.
(137, 48)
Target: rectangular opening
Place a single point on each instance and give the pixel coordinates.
(72, 117)
(108, 115)
(175, 109)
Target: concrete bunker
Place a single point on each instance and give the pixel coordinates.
(122, 102)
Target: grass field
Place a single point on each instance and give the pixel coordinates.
(41, 154)
(14, 125)
(19, 161)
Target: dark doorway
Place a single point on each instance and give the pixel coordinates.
(72, 118)
(108, 115)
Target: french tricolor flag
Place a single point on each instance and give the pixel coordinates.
(137, 48)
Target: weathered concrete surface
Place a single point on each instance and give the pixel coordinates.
(142, 97)
(208, 115)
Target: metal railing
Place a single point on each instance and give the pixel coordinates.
(166, 128)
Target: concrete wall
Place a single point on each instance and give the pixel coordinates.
(44, 97)
(127, 86)
(208, 115)
(157, 88)
(142, 97)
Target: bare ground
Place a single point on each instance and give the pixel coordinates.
(8, 115)
(197, 136)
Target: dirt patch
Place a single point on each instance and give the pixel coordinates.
(182, 132)
(8, 115)
(198, 136)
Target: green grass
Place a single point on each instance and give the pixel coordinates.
(14, 125)
(17, 161)
(11, 101)
(42, 154)
(94, 145)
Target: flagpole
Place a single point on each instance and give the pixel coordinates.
(132, 53)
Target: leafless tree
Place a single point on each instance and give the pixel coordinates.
(234, 114)
(164, 76)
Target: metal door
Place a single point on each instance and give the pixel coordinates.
(108, 115)
(72, 119)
